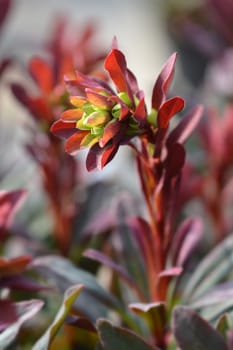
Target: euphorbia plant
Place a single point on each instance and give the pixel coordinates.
(103, 119)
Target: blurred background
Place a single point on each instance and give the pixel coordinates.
(147, 32)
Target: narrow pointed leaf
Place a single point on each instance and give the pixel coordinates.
(69, 298)
(42, 73)
(25, 310)
(115, 64)
(5, 8)
(10, 203)
(184, 129)
(63, 272)
(162, 83)
(186, 239)
(140, 113)
(8, 314)
(211, 270)
(105, 260)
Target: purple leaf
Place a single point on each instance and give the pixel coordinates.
(140, 113)
(116, 338)
(98, 157)
(142, 232)
(4, 64)
(10, 203)
(192, 332)
(20, 93)
(184, 129)
(100, 223)
(81, 322)
(162, 83)
(175, 160)
(8, 314)
(186, 239)
(105, 260)
(173, 271)
(4, 11)
(22, 283)
(25, 310)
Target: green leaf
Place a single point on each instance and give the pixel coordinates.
(224, 325)
(69, 298)
(193, 333)
(65, 274)
(213, 312)
(25, 310)
(211, 270)
(116, 338)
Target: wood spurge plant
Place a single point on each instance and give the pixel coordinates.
(115, 268)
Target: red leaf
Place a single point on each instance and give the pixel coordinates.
(108, 154)
(162, 83)
(140, 113)
(42, 73)
(8, 314)
(81, 323)
(109, 132)
(186, 126)
(115, 64)
(83, 81)
(63, 129)
(4, 11)
(73, 144)
(20, 93)
(175, 160)
(142, 232)
(10, 202)
(98, 157)
(168, 109)
(9, 267)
